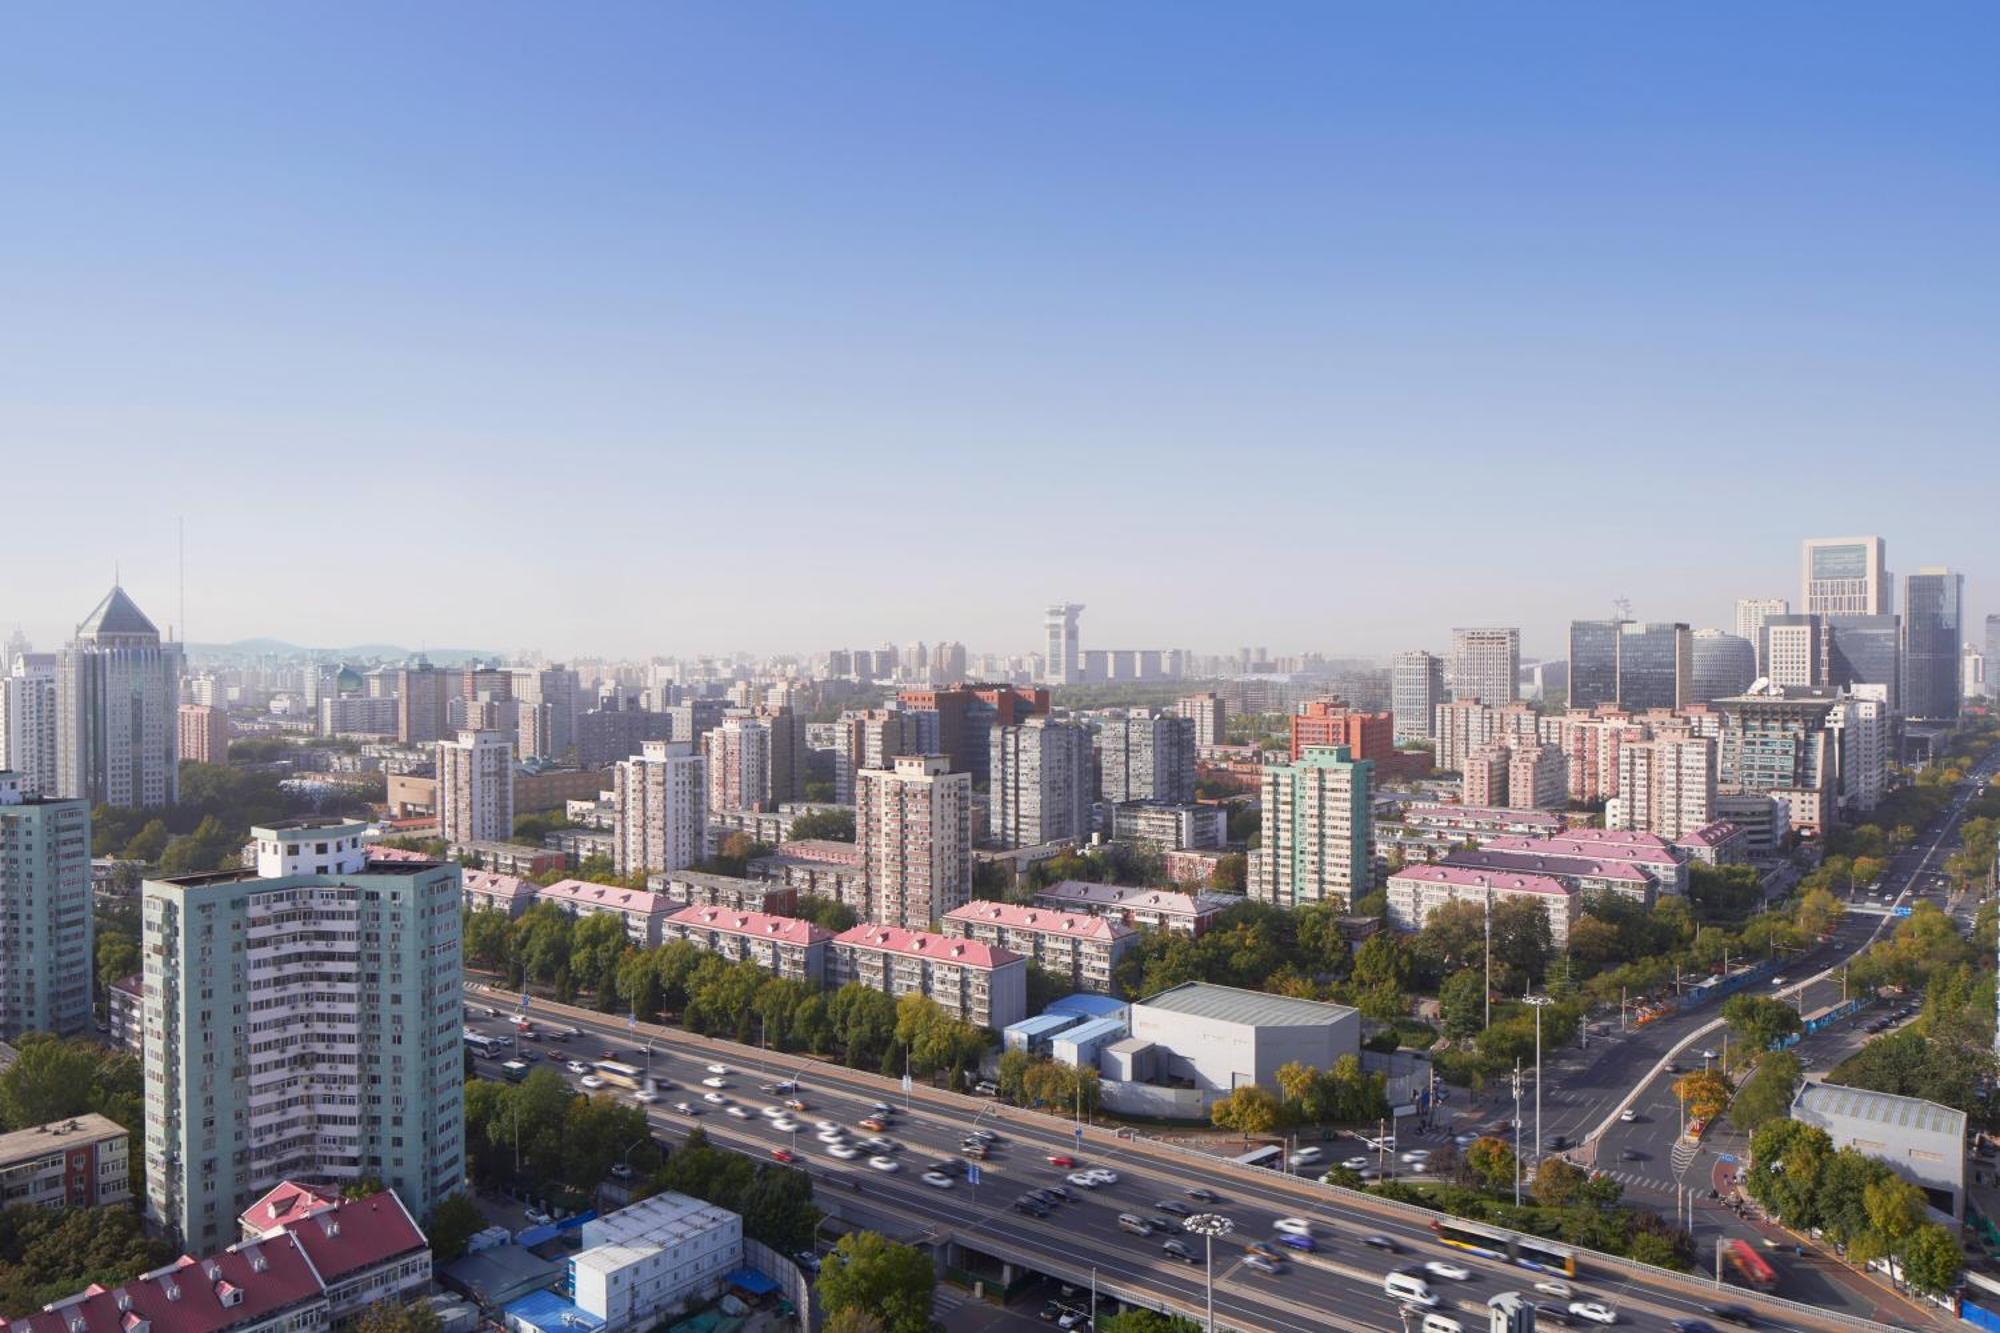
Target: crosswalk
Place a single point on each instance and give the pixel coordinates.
(945, 1298)
(1632, 1180)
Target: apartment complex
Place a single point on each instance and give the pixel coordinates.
(1416, 688)
(421, 693)
(80, 1162)
(783, 946)
(48, 947)
(1169, 828)
(1485, 665)
(1145, 756)
(1080, 949)
(1465, 726)
(118, 709)
(821, 869)
(1416, 892)
(1317, 846)
(659, 808)
(301, 1021)
(737, 759)
(642, 912)
(1516, 774)
(694, 888)
(981, 984)
(1151, 909)
(1041, 783)
(913, 828)
(1210, 715)
(1665, 786)
(866, 738)
(475, 775)
(203, 734)
(28, 729)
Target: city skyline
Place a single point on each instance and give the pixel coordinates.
(754, 291)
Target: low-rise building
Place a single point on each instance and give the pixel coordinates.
(645, 1261)
(982, 984)
(1648, 853)
(81, 1162)
(578, 845)
(509, 858)
(125, 1005)
(783, 946)
(815, 867)
(1147, 909)
(643, 912)
(1209, 1040)
(1170, 828)
(486, 891)
(1581, 874)
(1480, 821)
(770, 827)
(1418, 891)
(1079, 948)
(1919, 1140)
(1716, 844)
(695, 888)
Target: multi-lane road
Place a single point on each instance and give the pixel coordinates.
(1341, 1285)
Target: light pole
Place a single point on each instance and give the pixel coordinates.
(1539, 1002)
(1489, 955)
(1208, 1226)
(1517, 1131)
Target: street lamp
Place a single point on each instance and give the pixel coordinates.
(1208, 1226)
(1539, 1002)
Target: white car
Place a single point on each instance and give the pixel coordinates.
(739, 1113)
(537, 1217)
(1083, 1179)
(715, 1099)
(577, 1067)
(687, 1108)
(885, 1163)
(1442, 1268)
(1105, 1175)
(1628, 1115)
(881, 1146)
(1357, 1163)
(844, 1151)
(591, 1081)
(937, 1180)
(718, 1069)
(645, 1096)
(1597, 1312)
(1417, 1155)
(773, 1113)
(715, 1083)
(1293, 1226)
(1556, 1287)
(785, 1125)
(824, 1126)
(831, 1136)
(1307, 1156)
(1775, 981)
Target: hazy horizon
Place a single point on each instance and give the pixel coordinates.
(657, 330)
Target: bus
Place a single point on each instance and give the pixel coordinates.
(1749, 1265)
(1544, 1256)
(483, 1046)
(1270, 1155)
(619, 1075)
(514, 1070)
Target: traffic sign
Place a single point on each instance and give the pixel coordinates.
(972, 1173)
(906, 1083)
(1079, 1136)
(1900, 911)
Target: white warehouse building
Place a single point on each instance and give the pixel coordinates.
(1197, 1042)
(646, 1260)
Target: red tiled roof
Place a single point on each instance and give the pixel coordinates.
(1040, 919)
(761, 925)
(583, 891)
(1481, 879)
(358, 1234)
(271, 1274)
(1607, 844)
(286, 1203)
(923, 944)
(488, 884)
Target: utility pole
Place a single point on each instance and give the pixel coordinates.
(1621, 1008)
(1517, 1131)
(1539, 1003)
(1489, 955)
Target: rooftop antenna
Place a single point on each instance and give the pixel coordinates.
(180, 525)
(1623, 606)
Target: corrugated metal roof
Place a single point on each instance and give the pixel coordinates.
(1229, 1005)
(1857, 1108)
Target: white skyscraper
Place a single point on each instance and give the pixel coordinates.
(118, 691)
(1486, 664)
(1416, 688)
(660, 803)
(46, 935)
(28, 723)
(1845, 576)
(1751, 613)
(1062, 665)
(1040, 787)
(914, 826)
(475, 799)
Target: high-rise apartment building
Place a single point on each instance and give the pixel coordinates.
(1040, 788)
(475, 795)
(28, 729)
(47, 949)
(1464, 726)
(302, 1022)
(913, 823)
(1209, 714)
(1934, 623)
(1416, 688)
(1655, 665)
(738, 755)
(1751, 613)
(1062, 663)
(1992, 655)
(1724, 664)
(1845, 576)
(866, 738)
(1317, 831)
(204, 734)
(1144, 756)
(423, 694)
(117, 709)
(948, 660)
(1776, 742)
(1972, 672)
(1665, 786)
(549, 700)
(659, 808)
(1486, 664)
(1593, 662)
(1793, 650)
(1860, 725)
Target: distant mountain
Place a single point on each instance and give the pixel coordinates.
(359, 652)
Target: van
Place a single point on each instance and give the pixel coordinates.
(1437, 1323)
(1408, 1288)
(1135, 1224)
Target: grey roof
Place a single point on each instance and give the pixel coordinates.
(1253, 1008)
(1857, 1108)
(116, 614)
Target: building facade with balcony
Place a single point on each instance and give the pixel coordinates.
(1080, 949)
(981, 984)
(783, 946)
(79, 1162)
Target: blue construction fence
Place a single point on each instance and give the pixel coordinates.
(1715, 988)
(1820, 1022)
(1978, 1315)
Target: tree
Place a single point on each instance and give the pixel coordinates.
(1932, 1259)
(1492, 1160)
(1248, 1110)
(391, 1317)
(1705, 1093)
(1148, 1321)
(835, 825)
(117, 959)
(778, 1209)
(1819, 912)
(1462, 1001)
(1522, 939)
(1558, 1184)
(853, 1321)
(50, 1081)
(1758, 1020)
(1788, 1157)
(47, 1254)
(708, 1173)
(454, 1222)
(870, 1273)
(1230, 874)
(148, 843)
(827, 913)
(1767, 1094)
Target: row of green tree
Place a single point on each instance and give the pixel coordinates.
(1344, 1094)
(47, 1254)
(1856, 1201)
(775, 1202)
(207, 827)
(539, 1133)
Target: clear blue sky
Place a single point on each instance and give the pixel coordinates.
(688, 327)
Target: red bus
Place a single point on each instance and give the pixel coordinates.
(1749, 1265)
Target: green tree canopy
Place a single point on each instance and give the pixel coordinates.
(868, 1272)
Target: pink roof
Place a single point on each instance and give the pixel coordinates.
(1490, 859)
(762, 925)
(357, 1235)
(488, 884)
(134, 985)
(272, 1274)
(396, 854)
(1611, 844)
(1481, 879)
(583, 892)
(821, 849)
(285, 1204)
(1134, 899)
(923, 944)
(1710, 835)
(1016, 917)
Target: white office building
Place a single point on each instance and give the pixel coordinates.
(118, 697)
(1486, 664)
(1041, 783)
(28, 723)
(1416, 688)
(648, 1260)
(1751, 613)
(1845, 576)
